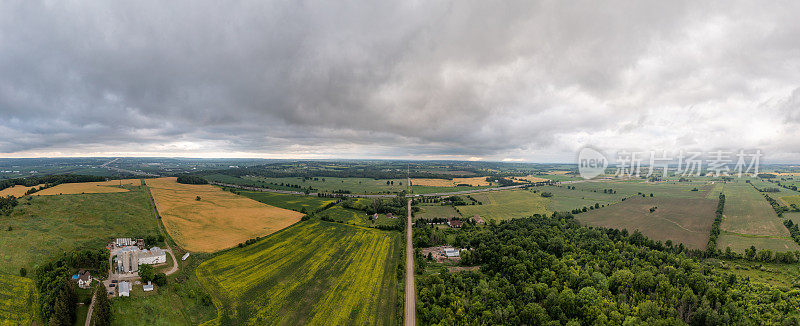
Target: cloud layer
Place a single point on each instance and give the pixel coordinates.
(397, 79)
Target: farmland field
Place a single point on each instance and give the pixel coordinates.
(16, 191)
(503, 205)
(686, 221)
(564, 199)
(218, 220)
(356, 217)
(331, 184)
(89, 187)
(53, 224)
(473, 181)
(18, 300)
(311, 273)
(434, 211)
(659, 189)
(750, 220)
(293, 202)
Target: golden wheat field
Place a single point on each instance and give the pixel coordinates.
(101, 187)
(474, 181)
(531, 178)
(16, 191)
(217, 221)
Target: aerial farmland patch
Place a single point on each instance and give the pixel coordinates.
(205, 218)
(18, 300)
(503, 205)
(314, 272)
(89, 187)
(16, 191)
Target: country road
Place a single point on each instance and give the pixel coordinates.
(411, 304)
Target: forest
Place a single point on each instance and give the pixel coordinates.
(541, 271)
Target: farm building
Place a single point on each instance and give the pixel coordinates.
(129, 258)
(124, 289)
(185, 256)
(454, 223)
(450, 252)
(147, 287)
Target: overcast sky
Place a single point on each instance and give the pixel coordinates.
(490, 80)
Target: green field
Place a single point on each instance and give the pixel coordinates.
(18, 300)
(332, 184)
(313, 272)
(298, 203)
(503, 205)
(672, 189)
(564, 199)
(681, 220)
(180, 302)
(53, 224)
(434, 211)
(750, 220)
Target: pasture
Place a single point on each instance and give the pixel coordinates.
(331, 184)
(473, 181)
(46, 225)
(750, 220)
(672, 189)
(16, 191)
(681, 220)
(218, 220)
(89, 187)
(564, 200)
(437, 211)
(18, 300)
(507, 204)
(298, 203)
(311, 273)
(356, 217)
(531, 178)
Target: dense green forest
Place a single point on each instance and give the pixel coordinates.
(540, 271)
(191, 179)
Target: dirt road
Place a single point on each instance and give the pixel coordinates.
(411, 311)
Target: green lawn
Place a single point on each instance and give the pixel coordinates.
(436, 211)
(298, 203)
(507, 204)
(47, 225)
(313, 272)
(671, 189)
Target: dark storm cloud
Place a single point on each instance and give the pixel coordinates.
(393, 78)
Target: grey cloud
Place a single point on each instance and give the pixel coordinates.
(392, 78)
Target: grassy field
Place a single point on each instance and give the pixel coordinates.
(503, 205)
(681, 220)
(45, 225)
(89, 187)
(16, 191)
(473, 181)
(434, 211)
(294, 202)
(750, 220)
(330, 184)
(356, 217)
(18, 300)
(218, 220)
(564, 199)
(180, 302)
(672, 189)
(311, 273)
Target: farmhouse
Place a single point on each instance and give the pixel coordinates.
(454, 223)
(83, 278)
(124, 288)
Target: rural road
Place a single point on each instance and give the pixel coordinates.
(89, 313)
(411, 304)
